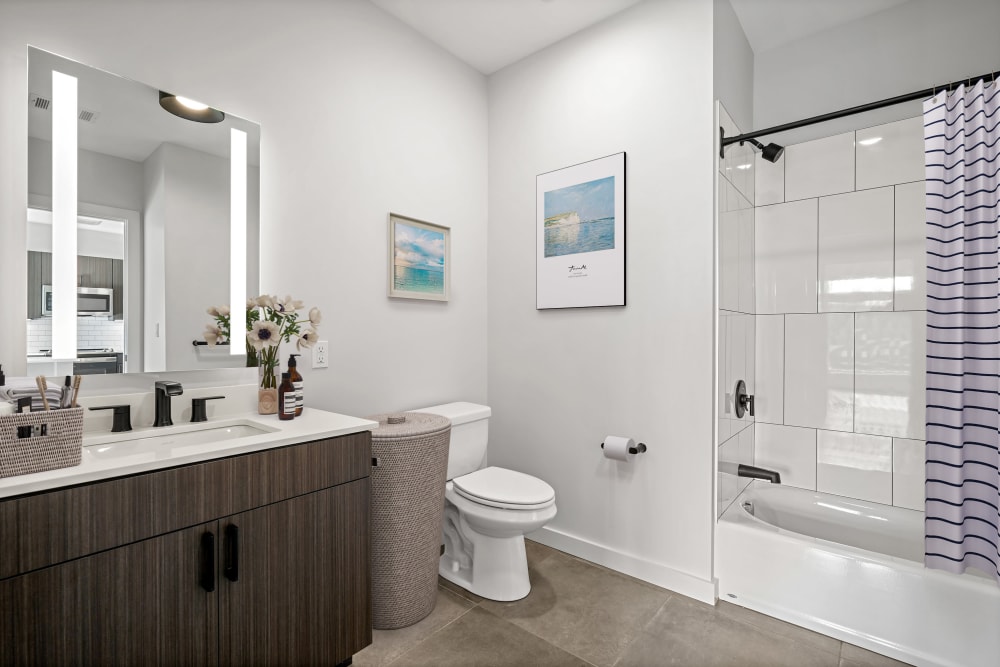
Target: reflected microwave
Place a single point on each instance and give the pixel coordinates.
(89, 301)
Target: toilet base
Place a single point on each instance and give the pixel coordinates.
(499, 569)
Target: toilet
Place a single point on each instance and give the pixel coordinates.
(487, 511)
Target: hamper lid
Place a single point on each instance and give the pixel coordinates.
(406, 424)
(500, 485)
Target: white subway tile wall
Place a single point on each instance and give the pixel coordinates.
(855, 251)
(840, 351)
(889, 373)
(891, 153)
(908, 465)
(92, 332)
(769, 400)
(788, 449)
(819, 168)
(819, 371)
(785, 245)
(854, 465)
(737, 294)
(910, 248)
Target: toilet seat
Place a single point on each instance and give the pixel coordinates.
(505, 489)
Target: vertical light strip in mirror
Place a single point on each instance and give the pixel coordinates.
(238, 241)
(64, 183)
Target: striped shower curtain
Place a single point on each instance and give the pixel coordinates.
(961, 143)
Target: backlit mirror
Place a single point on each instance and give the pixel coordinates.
(153, 224)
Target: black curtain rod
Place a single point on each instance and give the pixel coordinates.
(871, 106)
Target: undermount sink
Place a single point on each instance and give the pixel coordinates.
(151, 444)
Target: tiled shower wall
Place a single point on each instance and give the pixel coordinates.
(736, 348)
(840, 303)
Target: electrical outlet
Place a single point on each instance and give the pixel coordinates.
(321, 354)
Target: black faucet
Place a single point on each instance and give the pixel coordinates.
(773, 476)
(164, 390)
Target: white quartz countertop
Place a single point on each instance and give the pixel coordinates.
(109, 455)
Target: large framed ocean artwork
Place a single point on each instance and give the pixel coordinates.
(580, 235)
(419, 259)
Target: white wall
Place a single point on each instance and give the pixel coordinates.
(359, 116)
(560, 380)
(732, 65)
(102, 179)
(909, 47)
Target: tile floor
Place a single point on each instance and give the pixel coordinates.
(583, 614)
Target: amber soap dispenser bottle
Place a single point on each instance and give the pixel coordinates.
(286, 398)
(296, 382)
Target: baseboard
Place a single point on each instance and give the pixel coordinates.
(654, 573)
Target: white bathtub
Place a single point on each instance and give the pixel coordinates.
(854, 570)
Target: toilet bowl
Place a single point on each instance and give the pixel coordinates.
(487, 511)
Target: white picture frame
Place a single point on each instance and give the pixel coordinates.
(419, 259)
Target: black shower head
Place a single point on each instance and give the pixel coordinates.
(771, 152)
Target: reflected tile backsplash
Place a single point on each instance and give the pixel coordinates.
(92, 332)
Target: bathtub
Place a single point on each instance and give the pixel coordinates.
(854, 570)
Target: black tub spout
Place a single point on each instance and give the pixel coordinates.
(773, 476)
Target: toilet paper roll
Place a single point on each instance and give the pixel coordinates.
(617, 448)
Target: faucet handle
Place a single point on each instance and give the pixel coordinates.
(122, 417)
(198, 413)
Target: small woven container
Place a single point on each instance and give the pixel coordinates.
(407, 501)
(56, 441)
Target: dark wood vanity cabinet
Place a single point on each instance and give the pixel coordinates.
(128, 572)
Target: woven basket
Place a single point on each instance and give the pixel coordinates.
(407, 501)
(56, 441)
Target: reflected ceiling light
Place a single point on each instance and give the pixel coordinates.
(870, 142)
(188, 109)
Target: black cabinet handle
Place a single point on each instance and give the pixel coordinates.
(206, 576)
(231, 566)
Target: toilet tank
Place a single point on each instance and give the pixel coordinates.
(469, 435)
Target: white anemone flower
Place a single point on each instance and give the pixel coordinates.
(264, 334)
(315, 317)
(212, 334)
(213, 311)
(223, 311)
(266, 301)
(307, 338)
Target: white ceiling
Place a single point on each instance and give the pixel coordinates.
(491, 34)
(769, 24)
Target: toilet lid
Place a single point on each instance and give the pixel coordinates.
(498, 485)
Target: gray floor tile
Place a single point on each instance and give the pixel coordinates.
(537, 552)
(855, 656)
(387, 645)
(588, 610)
(458, 590)
(480, 639)
(773, 625)
(688, 633)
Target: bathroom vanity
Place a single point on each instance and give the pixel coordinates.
(249, 554)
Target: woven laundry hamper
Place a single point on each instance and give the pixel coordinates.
(407, 501)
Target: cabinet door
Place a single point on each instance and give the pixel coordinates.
(302, 590)
(141, 604)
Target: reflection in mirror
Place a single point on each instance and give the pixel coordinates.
(153, 239)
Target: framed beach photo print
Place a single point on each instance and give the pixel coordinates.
(580, 235)
(419, 259)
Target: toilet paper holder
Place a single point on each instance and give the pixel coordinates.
(638, 449)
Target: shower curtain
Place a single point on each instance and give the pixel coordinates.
(961, 144)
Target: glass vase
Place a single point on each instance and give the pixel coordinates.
(267, 390)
